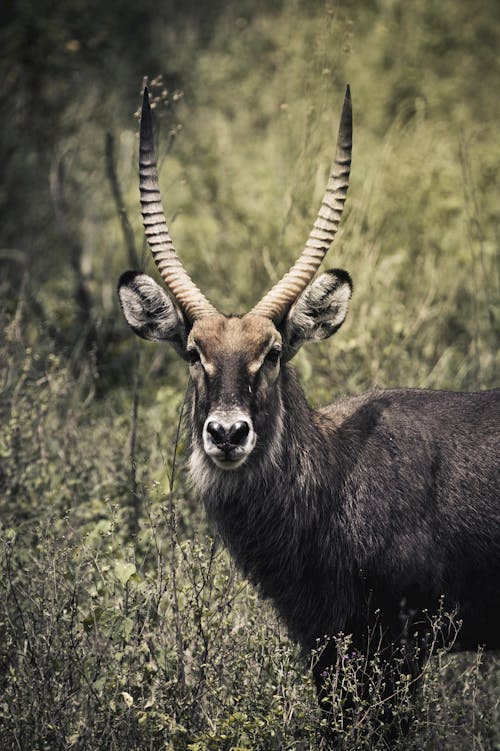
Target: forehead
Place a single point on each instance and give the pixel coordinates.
(248, 335)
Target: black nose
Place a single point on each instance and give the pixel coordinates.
(231, 437)
(238, 433)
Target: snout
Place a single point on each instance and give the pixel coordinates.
(228, 438)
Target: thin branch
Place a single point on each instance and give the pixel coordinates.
(135, 495)
(128, 235)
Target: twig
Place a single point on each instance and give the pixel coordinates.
(181, 673)
(128, 235)
(134, 495)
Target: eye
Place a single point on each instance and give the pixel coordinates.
(193, 356)
(272, 356)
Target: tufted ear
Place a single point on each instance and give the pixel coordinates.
(150, 312)
(318, 312)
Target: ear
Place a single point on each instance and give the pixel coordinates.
(318, 312)
(150, 312)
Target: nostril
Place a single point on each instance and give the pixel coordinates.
(217, 432)
(238, 432)
(228, 438)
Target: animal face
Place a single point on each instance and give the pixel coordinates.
(234, 364)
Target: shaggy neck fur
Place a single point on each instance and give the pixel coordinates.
(273, 528)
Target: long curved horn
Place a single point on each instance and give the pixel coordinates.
(279, 299)
(192, 301)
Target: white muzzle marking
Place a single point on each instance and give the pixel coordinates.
(218, 443)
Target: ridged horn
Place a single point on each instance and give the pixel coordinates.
(278, 300)
(192, 301)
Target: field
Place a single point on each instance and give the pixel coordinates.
(123, 623)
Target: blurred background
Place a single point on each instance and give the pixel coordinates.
(247, 101)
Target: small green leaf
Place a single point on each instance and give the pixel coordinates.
(124, 571)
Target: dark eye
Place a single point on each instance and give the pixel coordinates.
(193, 356)
(273, 356)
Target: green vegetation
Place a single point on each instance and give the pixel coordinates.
(122, 624)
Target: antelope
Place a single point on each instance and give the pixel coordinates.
(377, 502)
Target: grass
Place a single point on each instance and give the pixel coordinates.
(161, 645)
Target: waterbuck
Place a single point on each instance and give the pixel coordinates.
(368, 510)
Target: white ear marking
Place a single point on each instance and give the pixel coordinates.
(319, 311)
(150, 312)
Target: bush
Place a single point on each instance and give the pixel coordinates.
(161, 645)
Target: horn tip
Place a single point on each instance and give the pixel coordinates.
(346, 116)
(146, 127)
(145, 100)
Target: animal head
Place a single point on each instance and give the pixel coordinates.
(234, 361)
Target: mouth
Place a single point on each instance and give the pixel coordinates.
(228, 461)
